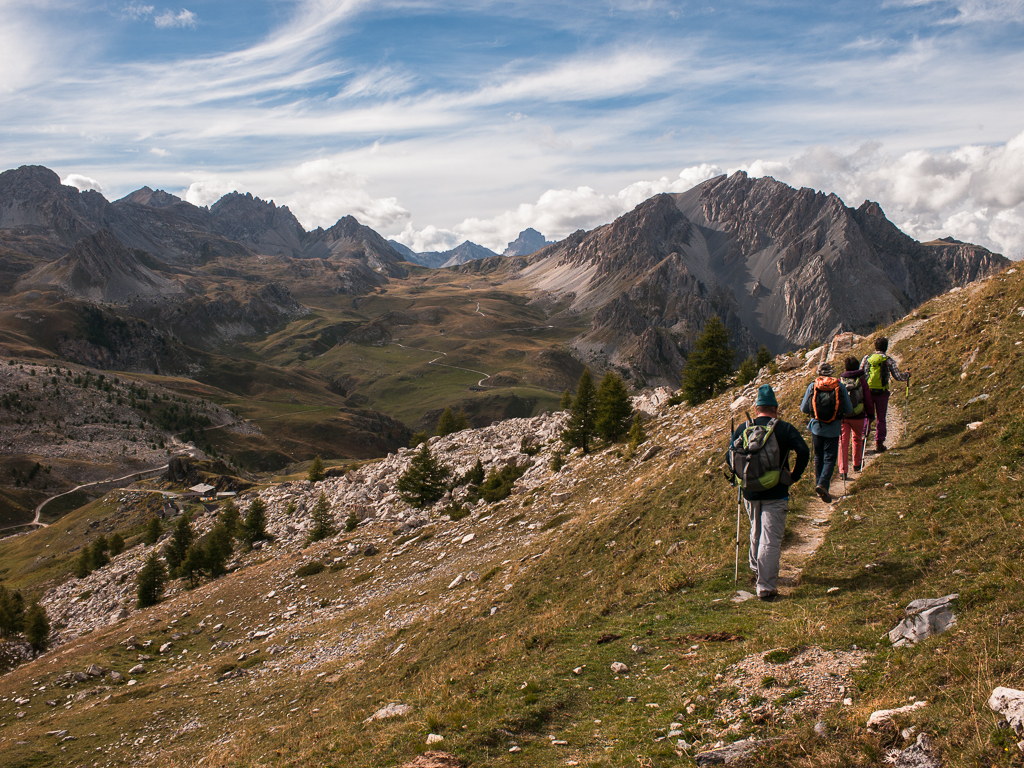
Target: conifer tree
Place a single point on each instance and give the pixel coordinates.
(748, 371)
(323, 520)
(612, 408)
(316, 470)
(447, 423)
(81, 569)
(116, 544)
(37, 627)
(98, 553)
(153, 531)
(763, 357)
(637, 436)
(151, 581)
(179, 544)
(217, 550)
(255, 526)
(461, 421)
(709, 363)
(476, 475)
(425, 481)
(230, 518)
(12, 612)
(191, 567)
(566, 402)
(580, 429)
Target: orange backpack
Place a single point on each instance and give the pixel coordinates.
(825, 403)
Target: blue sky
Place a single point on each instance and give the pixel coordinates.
(436, 122)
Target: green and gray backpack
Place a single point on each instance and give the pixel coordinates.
(755, 457)
(855, 389)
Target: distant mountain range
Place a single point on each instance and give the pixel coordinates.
(781, 266)
(529, 241)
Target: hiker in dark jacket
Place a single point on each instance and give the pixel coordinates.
(825, 430)
(856, 424)
(767, 509)
(880, 370)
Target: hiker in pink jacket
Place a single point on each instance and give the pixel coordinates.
(855, 424)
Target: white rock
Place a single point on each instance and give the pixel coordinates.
(457, 581)
(165, 648)
(393, 709)
(1009, 703)
(619, 668)
(883, 716)
(434, 738)
(974, 425)
(468, 538)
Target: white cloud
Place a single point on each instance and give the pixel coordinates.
(136, 11)
(327, 191)
(556, 214)
(159, 152)
(183, 19)
(81, 183)
(973, 193)
(208, 191)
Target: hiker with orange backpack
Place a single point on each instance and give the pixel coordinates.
(856, 423)
(880, 369)
(826, 401)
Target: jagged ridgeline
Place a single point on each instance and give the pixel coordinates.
(591, 616)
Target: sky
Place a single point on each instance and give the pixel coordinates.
(440, 121)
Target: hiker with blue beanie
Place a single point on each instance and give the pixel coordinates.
(826, 401)
(767, 500)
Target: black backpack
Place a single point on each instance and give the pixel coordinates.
(825, 403)
(855, 389)
(755, 457)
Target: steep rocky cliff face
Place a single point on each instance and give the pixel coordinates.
(100, 269)
(780, 266)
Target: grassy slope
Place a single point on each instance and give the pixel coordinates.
(486, 681)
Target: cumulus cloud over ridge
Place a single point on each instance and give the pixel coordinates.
(974, 193)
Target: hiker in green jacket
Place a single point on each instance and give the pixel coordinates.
(881, 369)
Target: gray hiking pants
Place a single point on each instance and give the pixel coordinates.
(767, 526)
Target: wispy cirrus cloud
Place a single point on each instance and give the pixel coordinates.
(182, 19)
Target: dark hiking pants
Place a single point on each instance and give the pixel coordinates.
(826, 454)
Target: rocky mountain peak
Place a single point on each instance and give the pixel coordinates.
(153, 198)
(529, 241)
(32, 196)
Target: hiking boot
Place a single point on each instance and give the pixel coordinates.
(768, 597)
(823, 494)
(856, 469)
(843, 475)
(880, 449)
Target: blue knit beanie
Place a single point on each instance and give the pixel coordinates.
(766, 396)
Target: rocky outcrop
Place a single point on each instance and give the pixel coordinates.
(529, 241)
(207, 322)
(258, 225)
(100, 269)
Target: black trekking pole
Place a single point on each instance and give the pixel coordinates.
(864, 443)
(739, 501)
(906, 409)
